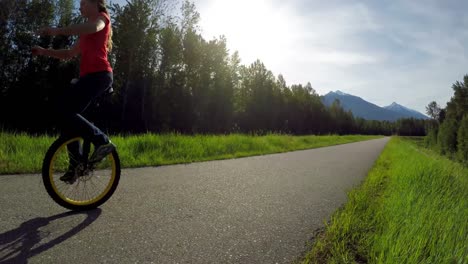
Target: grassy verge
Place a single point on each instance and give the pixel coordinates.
(20, 153)
(412, 208)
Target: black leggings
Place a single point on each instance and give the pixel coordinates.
(74, 101)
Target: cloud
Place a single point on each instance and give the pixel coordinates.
(322, 36)
(410, 52)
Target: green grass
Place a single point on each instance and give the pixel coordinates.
(412, 208)
(20, 153)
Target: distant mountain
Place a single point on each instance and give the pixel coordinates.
(405, 111)
(361, 108)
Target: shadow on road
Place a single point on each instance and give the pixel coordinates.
(18, 245)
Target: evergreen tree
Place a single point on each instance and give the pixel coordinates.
(256, 93)
(25, 83)
(136, 29)
(221, 87)
(462, 141)
(447, 137)
(458, 105)
(170, 79)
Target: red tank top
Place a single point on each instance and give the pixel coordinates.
(94, 50)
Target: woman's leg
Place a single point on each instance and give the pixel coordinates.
(75, 101)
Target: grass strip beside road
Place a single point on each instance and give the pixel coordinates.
(21, 153)
(412, 208)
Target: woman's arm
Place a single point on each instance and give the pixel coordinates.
(76, 29)
(63, 54)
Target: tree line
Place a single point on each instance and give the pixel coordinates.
(448, 131)
(167, 78)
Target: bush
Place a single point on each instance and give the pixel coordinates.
(431, 139)
(462, 141)
(447, 137)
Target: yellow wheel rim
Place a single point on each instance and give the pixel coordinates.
(86, 190)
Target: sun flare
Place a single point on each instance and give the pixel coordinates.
(255, 28)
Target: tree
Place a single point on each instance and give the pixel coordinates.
(283, 93)
(220, 87)
(452, 136)
(193, 53)
(25, 81)
(343, 121)
(136, 28)
(170, 81)
(432, 129)
(458, 105)
(447, 137)
(255, 95)
(462, 141)
(410, 127)
(433, 110)
(190, 17)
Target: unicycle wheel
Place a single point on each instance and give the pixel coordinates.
(90, 185)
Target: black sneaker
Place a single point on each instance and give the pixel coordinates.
(69, 176)
(101, 152)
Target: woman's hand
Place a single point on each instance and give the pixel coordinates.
(48, 31)
(36, 51)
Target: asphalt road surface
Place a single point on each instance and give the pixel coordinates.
(262, 209)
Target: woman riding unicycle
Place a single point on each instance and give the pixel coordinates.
(77, 133)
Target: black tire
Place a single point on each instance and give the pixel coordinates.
(51, 170)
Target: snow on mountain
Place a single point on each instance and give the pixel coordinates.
(338, 92)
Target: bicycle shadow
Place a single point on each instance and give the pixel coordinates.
(17, 245)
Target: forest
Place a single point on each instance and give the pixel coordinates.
(167, 78)
(448, 131)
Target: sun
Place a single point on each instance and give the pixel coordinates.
(255, 28)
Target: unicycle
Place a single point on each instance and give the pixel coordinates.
(92, 183)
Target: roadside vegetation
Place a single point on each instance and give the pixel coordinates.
(412, 208)
(22, 153)
(448, 131)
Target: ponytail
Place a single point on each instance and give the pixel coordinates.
(102, 8)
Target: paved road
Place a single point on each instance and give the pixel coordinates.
(260, 209)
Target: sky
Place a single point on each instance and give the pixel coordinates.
(409, 52)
